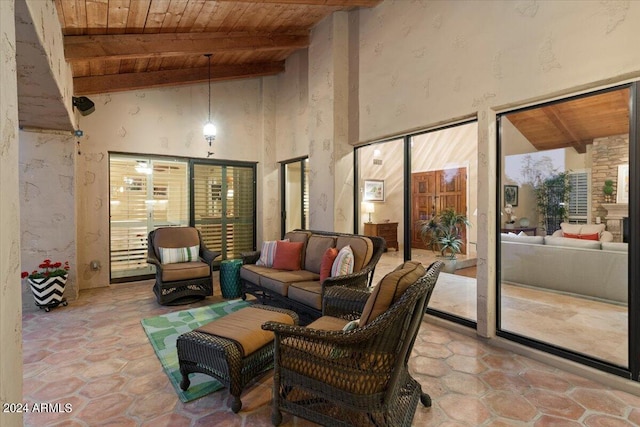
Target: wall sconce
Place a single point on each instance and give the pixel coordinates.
(369, 208)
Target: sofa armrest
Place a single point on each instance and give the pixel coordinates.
(152, 258)
(250, 257)
(358, 280)
(345, 303)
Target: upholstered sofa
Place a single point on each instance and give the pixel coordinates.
(589, 268)
(294, 280)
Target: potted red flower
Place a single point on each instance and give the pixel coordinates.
(47, 284)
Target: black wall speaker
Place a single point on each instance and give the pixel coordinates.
(84, 105)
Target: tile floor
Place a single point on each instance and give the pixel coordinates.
(94, 355)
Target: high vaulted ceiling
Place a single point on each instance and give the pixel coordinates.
(118, 45)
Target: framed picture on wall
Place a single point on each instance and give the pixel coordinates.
(622, 190)
(374, 190)
(511, 195)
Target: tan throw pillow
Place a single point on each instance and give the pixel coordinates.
(390, 289)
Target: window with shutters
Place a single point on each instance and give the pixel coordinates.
(579, 200)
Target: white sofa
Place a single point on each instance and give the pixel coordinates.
(596, 269)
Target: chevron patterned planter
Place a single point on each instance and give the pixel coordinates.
(48, 291)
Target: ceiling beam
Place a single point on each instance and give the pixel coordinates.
(332, 3)
(132, 81)
(553, 114)
(136, 46)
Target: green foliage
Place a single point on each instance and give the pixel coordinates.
(608, 187)
(552, 200)
(444, 232)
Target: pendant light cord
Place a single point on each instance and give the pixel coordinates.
(209, 56)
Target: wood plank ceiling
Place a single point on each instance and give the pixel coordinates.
(119, 45)
(575, 123)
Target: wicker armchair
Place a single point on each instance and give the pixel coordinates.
(180, 282)
(355, 377)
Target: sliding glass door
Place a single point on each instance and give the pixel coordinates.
(564, 259)
(145, 193)
(224, 206)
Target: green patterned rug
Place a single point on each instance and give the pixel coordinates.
(163, 332)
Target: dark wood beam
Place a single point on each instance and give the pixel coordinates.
(136, 46)
(332, 3)
(133, 81)
(554, 115)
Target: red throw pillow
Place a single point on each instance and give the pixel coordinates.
(594, 236)
(327, 262)
(288, 255)
(571, 236)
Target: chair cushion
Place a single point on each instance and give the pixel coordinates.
(328, 323)
(173, 255)
(316, 248)
(185, 271)
(245, 327)
(343, 264)
(288, 256)
(174, 237)
(390, 289)
(327, 262)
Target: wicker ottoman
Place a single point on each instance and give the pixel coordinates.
(233, 349)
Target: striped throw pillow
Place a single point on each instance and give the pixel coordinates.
(173, 255)
(343, 264)
(268, 253)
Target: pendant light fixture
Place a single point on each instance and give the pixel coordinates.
(209, 128)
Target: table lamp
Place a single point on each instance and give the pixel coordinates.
(368, 208)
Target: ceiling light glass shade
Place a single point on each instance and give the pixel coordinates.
(209, 132)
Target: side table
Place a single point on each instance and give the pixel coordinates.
(230, 278)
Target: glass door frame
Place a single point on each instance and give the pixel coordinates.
(632, 372)
(283, 192)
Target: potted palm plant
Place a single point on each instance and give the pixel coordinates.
(443, 232)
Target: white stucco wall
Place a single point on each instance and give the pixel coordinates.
(168, 122)
(422, 63)
(10, 283)
(47, 206)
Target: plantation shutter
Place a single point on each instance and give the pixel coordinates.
(224, 207)
(128, 222)
(579, 198)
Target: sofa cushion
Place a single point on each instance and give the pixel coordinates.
(279, 281)
(570, 228)
(185, 271)
(327, 263)
(390, 288)
(299, 236)
(288, 256)
(362, 248)
(343, 264)
(253, 272)
(534, 240)
(316, 248)
(615, 246)
(572, 243)
(309, 293)
(592, 228)
(173, 255)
